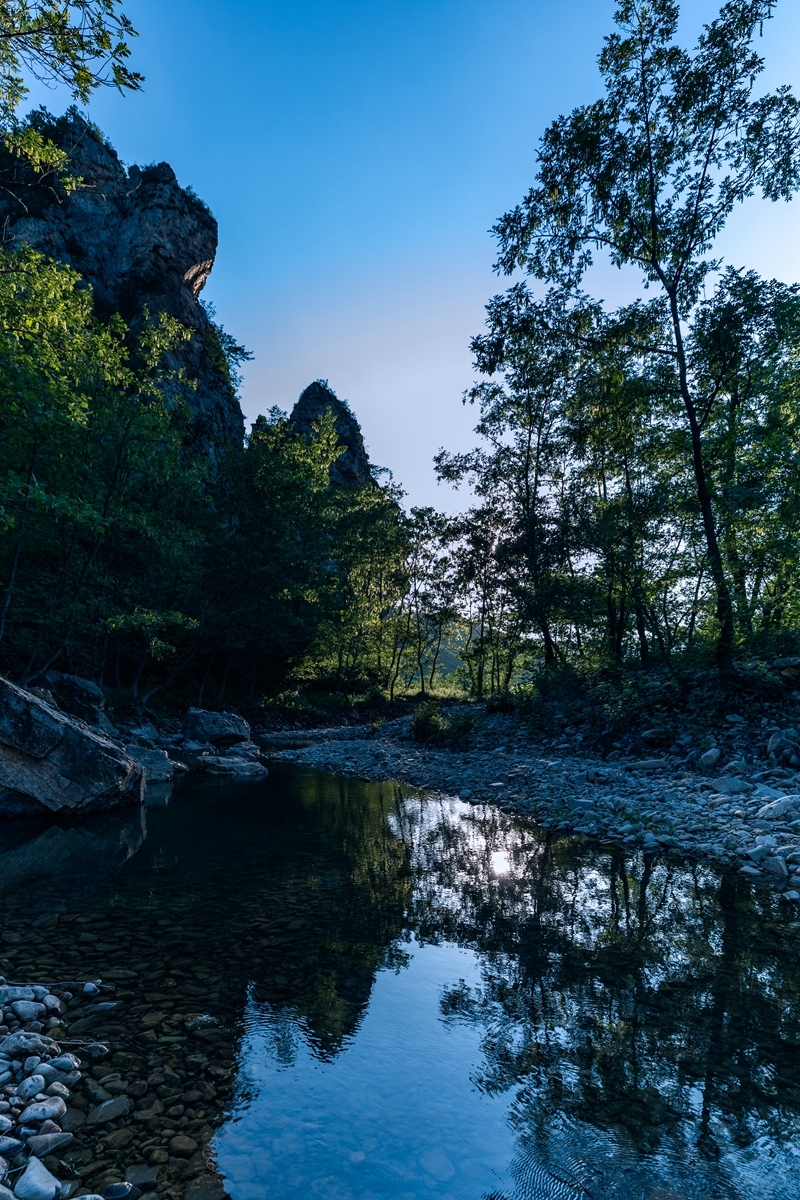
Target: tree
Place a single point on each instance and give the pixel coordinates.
(649, 175)
(80, 43)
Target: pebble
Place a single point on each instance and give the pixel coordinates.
(36, 1183)
(109, 1110)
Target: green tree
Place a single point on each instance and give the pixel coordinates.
(649, 176)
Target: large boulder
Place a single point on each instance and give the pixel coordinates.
(218, 728)
(79, 697)
(50, 762)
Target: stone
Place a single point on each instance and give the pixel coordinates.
(9, 1146)
(352, 468)
(109, 1110)
(30, 1086)
(44, 1110)
(206, 1187)
(217, 728)
(36, 1183)
(20, 1045)
(5, 1194)
(239, 768)
(52, 763)
(79, 697)
(47, 1143)
(156, 763)
(775, 866)
(117, 1191)
(72, 1119)
(28, 1010)
(142, 242)
(182, 1146)
(728, 785)
(778, 808)
(648, 764)
(9, 994)
(5, 1123)
(142, 1176)
(65, 1062)
(3, 1168)
(792, 894)
(711, 757)
(119, 1139)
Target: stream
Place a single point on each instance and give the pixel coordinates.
(419, 998)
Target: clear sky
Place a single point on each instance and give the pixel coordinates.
(355, 154)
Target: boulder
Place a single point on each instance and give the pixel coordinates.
(156, 763)
(232, 766)
(778, 808)
(216, 728)
(52, 763)
(79, 697)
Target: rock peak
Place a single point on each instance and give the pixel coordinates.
(352, 468)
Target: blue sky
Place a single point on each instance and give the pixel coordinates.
(355, 154)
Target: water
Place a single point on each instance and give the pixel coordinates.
(422, 999)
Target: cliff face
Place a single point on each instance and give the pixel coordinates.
(352, 468)
(141, 241)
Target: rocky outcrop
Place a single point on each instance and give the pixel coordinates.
(352, 468)
(214, 728)
(141, 241)
(50, 762)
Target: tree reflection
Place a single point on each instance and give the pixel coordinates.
(648, 999)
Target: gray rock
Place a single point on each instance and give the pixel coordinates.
(45, 1110)
(20, 1045)
(775, 866)
(65, 1062)
(217, 728)
(109, 1110)
(9, 994)
(778, 808)
(3, 1168)
(79, 697)
(9, 1146)
(50, 762)
(235, 768)
(142, 1176)
(46, 1143)
(141, 242)
(711, 757)
(72, 1119)
(5, 1194)
(351, 469)
(28, 1010)
(31, 1087)
(5, 1123)
(648, 764)
(36, 1183)
(728, 785)
(156, 763)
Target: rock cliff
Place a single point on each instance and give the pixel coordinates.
(352, 468)
(141, 241)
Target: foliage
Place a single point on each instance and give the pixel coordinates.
(433, 726)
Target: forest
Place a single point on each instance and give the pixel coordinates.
(635, 474)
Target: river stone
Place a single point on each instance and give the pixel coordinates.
(45, 1143)
(142, 1176)
(20, 1045)
(237, 768)
(30, 1086)
(65, 1062)
(156, 763)
(5, 1123)
(50, 762)
(9, 994)
(5, 1194)
(109, 1110)
(46, 1110)
(778, 808)
(182, 1146)
(218, 728)
(36, 1183)
(28, 1010)
(776, 866)
(9, 1146)
(711, 757)
(72, 1119)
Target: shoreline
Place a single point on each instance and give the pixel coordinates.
(650, 804)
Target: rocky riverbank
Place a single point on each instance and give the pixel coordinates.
(736, 800)
(132, 1113)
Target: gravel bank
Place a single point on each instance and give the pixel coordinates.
(737, 801)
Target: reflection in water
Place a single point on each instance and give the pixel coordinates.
(436, 1000)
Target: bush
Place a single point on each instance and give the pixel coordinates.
(429, 724)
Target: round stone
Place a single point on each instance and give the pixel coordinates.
(117, 1191)
(182, 1146)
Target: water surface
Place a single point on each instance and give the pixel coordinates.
(432, 1000)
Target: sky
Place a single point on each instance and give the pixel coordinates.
(355, 154)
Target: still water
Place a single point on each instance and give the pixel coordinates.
(433, 1000)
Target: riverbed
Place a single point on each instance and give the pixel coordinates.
(366, 991)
